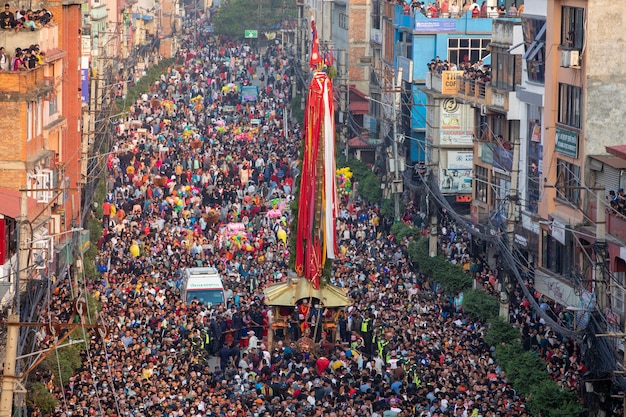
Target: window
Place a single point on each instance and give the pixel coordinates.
(38, 117)
(29, 120)
(503, 70)
(617, 294)
(570, 105)
(535, 48)
(41, 181)
(482, 183)
(534, 158)
(467, 50)
(53, 106)
(568, 181)
(376, 14)
(343, 21)
(572, 27)
(552, 254)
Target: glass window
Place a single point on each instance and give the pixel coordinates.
(568, 182)
(534, 158)
(213, 297)
(572, 27)
(482, 183)
(470, 50)
(535, 48)
(570, 105)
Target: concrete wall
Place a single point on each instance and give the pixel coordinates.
(604, 75)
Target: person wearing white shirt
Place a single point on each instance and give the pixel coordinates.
(253, 341)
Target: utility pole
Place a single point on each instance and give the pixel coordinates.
(510, 227)
(342, 57)
(395, 166)
(599, 267)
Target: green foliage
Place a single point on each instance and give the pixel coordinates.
(296, 109)
(67, 359)
(95, 231)
(451, 277)
(368, 183)
(40, 398)
(549, 400)
(479, 304)
(524, 369)
(402, 230)
(235, 16)
(527, 372)
(500, 331)
(134, 92)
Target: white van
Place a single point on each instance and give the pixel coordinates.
(203, 284)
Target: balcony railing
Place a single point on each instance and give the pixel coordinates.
(24, 83)
(472, 90)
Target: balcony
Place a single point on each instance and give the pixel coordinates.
(615, 222)
(24, 85)
(47, 38)
(416, 22)
(472, 91)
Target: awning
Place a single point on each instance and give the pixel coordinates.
(610, 160)
(359, 107)
(358, 143)
(144, 17)
(295, 289)
(618, 150)
(10, 204)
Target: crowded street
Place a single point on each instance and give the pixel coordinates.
(203, 175)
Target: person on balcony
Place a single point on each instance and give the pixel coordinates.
(30, 60)
(7, 18)
(4, 60)
(18, 61)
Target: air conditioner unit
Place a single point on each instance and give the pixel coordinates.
(570, 59)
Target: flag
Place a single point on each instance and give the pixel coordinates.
(316, 240)
(315, 58)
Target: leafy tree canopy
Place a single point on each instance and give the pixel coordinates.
(235, 16)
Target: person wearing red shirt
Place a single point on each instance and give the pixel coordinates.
(106, 214)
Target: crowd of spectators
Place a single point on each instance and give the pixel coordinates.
(459, 8)
(401, 349)
(24, 19)
(477, 71)
(562, 356)
(617, 201)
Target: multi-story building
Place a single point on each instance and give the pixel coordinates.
(438, 129)
(40, 113)
(581, 152)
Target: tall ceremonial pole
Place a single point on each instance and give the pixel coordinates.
(316, 237)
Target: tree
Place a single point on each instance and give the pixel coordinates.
(235, 16)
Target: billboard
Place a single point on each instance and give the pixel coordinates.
(456, 123)
(435, 25)
(463, 160)
(455, 181)
(449, 81)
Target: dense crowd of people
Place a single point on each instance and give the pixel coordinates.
(191, 159)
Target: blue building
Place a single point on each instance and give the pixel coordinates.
(419, 41)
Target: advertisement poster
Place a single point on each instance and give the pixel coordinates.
(457, 124)
(454, 181)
